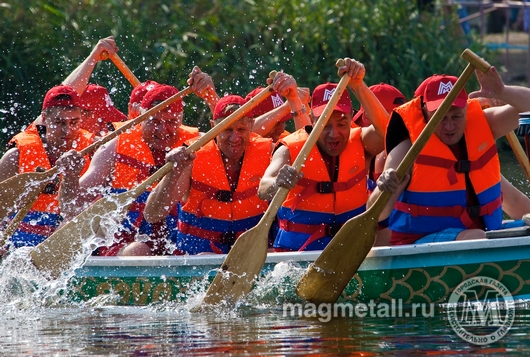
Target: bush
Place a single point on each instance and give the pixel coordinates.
(237, 42)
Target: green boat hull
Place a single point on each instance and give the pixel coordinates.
(411, 274)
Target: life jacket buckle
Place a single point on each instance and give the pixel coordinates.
(50, 189)
(153, 169)
(224, 196)
(324, 187)
(332, 229)
(463, 166)
(473, 211)
(228, 238)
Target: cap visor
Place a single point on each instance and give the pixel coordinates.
(339, 107)
(432, 106)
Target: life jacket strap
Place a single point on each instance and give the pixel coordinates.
(316, 231)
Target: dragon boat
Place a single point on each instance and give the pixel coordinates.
(425, 273)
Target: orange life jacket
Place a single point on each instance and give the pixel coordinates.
(214, 215)
(436, 196)
(134, 164)
(316, 208)
(44, 216)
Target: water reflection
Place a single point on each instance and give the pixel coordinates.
(173, 330)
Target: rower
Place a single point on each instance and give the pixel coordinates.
(38, 148)
(454, 189)
(128, 160)
(217, 185)
(332, 185)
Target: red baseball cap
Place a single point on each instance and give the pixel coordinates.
(61, 96)
(270, 103)
(96, 98)
(220, 107)
(421, 88)
(389, 96)
(160, 93)
(138, 92)
(437, 88)
(321, 96)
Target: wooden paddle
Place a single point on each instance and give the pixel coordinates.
(520, 155)
(243, 263)
(327, 277)
(124, 69)
(59, 250)
(25, 188)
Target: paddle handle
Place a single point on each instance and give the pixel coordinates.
(405, 165)
(520, 155)
(118, 62)
(178, 96)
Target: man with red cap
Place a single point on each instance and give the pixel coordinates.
(127, 161)
(454, 188)
(332, 186)
(38, 148)
(137, 94)
(271, 115)
(217, 185)
(98, 111)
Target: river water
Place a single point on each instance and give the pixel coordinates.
(36, 319)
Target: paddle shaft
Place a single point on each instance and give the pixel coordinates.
(327, 277)
(122, 67)
(246, 257)
(520, 155)
(29, 201)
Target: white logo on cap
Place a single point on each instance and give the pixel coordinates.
(328, 94)
(445, 87)
(276, 100)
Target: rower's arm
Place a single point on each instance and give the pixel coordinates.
(266, 122)
(9, 164)
(388, 180)
(79, 77)
(279, 173)
(174, 187)
(374, 110)
(202, 85)
(502, 119)
(77, 193)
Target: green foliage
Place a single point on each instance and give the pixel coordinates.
(237, 42)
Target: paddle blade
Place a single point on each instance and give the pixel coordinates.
(327, 277)
(59, 251)
(241, 267)
(21, 190)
